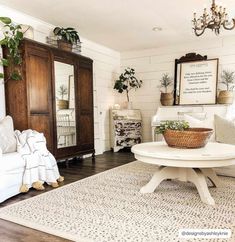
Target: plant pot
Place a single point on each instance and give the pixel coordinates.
(225, 97)
(62, 104)
(27, 31)
(63, 45)
(167, 99)
(127, 105)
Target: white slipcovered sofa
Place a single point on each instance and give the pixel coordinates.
(33, 166)
(11, 163)
(11, 173)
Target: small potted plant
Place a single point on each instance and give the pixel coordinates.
(67, 37)
(62, 103)
(178, 134)
(12, 38)
(228, 79)
(126, 82)
(167, 98)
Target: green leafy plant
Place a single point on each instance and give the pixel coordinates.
(173, 125)
(127, 81)
(69, 35)
(63, 90)
(12, 38)
(165, 82)
(228, 79)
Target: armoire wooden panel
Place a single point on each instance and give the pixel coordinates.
(86, 105)
(38, 76)
(32, 102)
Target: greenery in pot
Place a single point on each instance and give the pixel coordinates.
(12, 38)
(228, 79)
(166, 82)
(127, 81)
(63, 90)
(167, 98)
(172, 125)
(63, 103)
(69, 35)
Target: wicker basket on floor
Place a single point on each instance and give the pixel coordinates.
(190, 138)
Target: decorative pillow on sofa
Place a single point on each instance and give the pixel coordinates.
(225, 133)
(225, 130)
(196, 123)
(7, 135)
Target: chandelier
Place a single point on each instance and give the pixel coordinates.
(213, 20)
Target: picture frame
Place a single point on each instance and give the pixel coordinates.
(196, 79)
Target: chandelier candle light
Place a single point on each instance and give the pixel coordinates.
(214, 20)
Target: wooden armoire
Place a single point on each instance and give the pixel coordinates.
(47, 74)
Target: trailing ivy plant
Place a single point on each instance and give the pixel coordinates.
(173, 125)
(12, 38)
(127, 81)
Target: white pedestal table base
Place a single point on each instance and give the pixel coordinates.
(195, 175)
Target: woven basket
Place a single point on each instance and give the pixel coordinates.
(189, 139)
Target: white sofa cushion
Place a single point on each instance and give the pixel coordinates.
(7, 135)
(10, 162)
(225, 133)
(225, 130)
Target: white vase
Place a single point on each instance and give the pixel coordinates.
(27, 31)
(129, 105)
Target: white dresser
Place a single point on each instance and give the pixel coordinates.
(125, 128)
(177, 112)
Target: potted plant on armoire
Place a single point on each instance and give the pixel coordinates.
(66, 37)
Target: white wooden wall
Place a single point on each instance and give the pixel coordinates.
(150, 64)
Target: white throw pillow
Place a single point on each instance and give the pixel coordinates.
(196, 123)
(225, 133)
(230, 115)
(7, 135)
(225, 130)
(0, 153)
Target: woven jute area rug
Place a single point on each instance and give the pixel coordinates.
(109, 207)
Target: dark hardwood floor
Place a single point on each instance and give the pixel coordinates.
(76, 170)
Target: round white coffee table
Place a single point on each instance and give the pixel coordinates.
(193, 165)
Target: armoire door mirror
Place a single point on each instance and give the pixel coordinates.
(65, 105)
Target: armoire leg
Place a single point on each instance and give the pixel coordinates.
(93, 157)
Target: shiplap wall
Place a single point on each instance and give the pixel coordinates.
(150, 64)
(106, 68)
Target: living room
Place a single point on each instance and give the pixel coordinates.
(114, 179)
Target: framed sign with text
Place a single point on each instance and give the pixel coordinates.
(196, 80)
